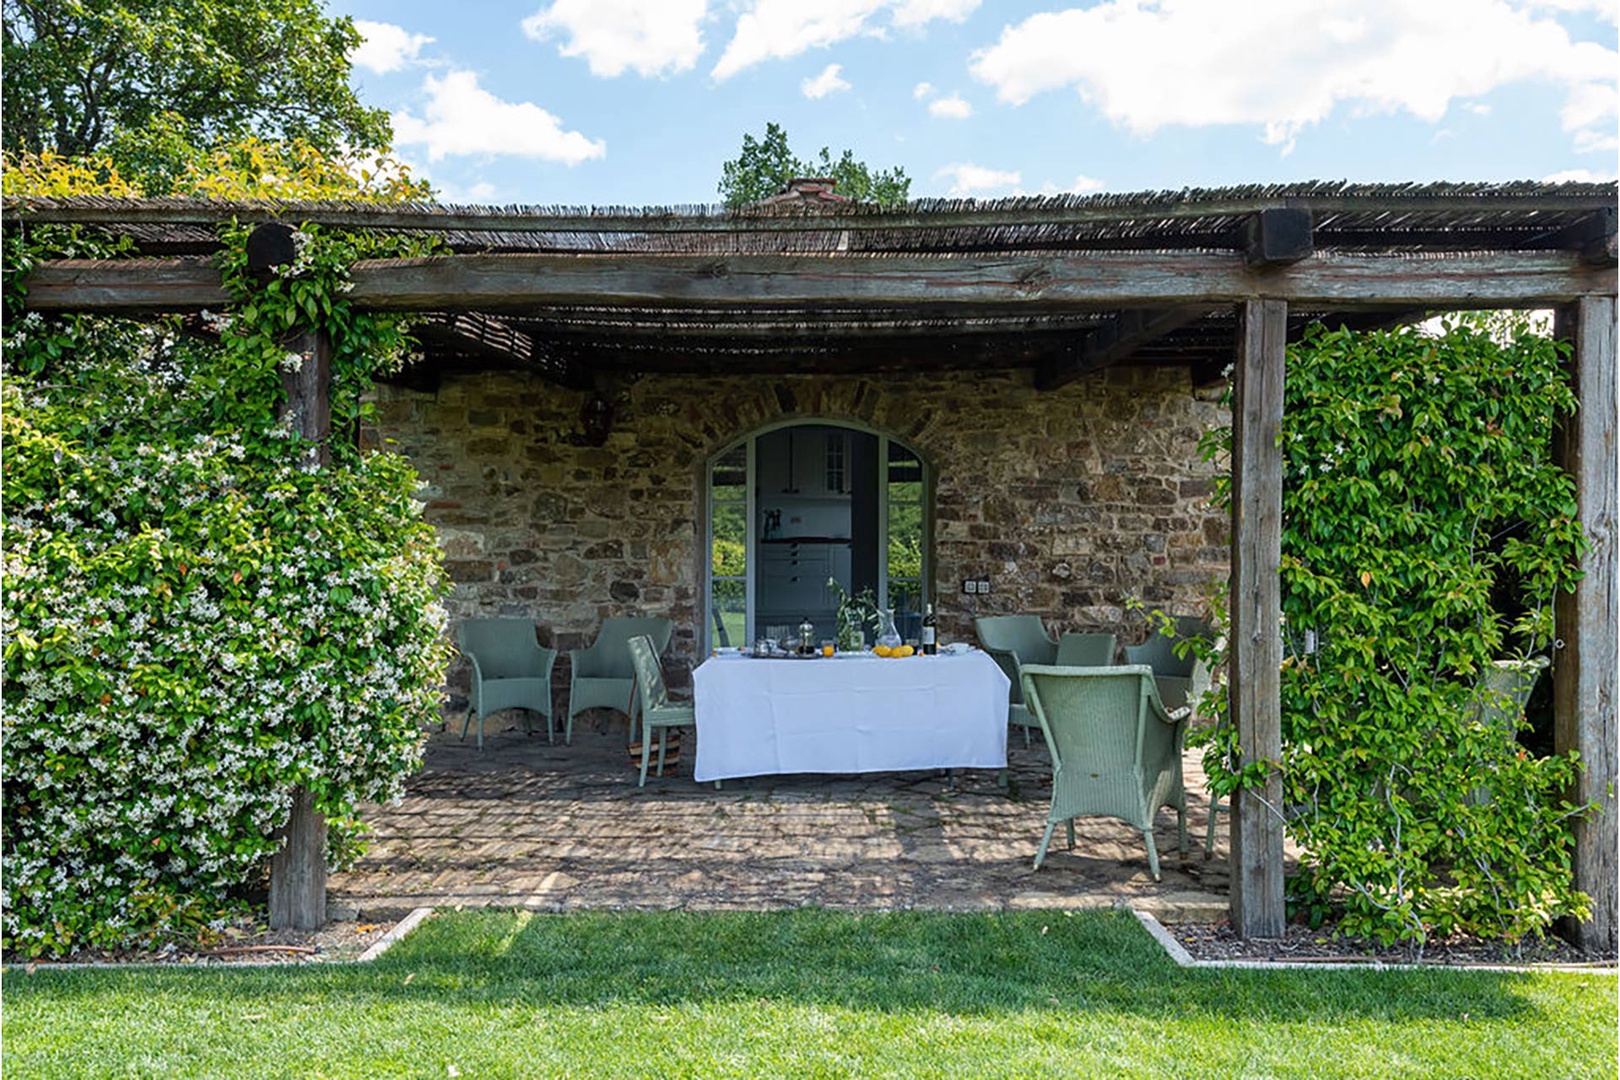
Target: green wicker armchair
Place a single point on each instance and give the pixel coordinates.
(510, 670)
(1116, 751)
(1086, 650)
(1013, 641)
(601, 674)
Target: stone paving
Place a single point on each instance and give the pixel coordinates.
(561, 828)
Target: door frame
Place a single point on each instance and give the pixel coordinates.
(751, 543)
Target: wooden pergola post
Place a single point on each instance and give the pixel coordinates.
(1256, 640)
(1588, 619)
(298, 868)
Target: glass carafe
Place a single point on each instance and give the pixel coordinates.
(886, 633)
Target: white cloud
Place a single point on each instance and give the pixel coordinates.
(386, 47)
(950, 108)
(1146, 64)
(1590, 113)
(463, 118)
(922, 90)
(917, 12)
(967, 178)
(1603, 9)
(776, 29)
(479, 192)
(1085, 185)
(1579, 176)
(825, 83)
(651, 37)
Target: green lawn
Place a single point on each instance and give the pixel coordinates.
(805, 993)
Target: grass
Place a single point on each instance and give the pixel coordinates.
(807, 993)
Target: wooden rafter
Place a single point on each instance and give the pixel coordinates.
(495, 339)
(1113, 341)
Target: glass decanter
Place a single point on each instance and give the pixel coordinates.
(886, 633)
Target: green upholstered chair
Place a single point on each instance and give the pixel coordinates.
(602, 674)
(658, 713)
(1012, 641)
(1086, 650)
(510, 670)
(1116, 751)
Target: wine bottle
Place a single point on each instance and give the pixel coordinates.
(930, 632)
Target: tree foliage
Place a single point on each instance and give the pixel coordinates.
(1426, 532)
(765, 165)
(196, 619)
(149, 82)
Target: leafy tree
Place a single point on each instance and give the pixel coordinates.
(765, 165)
(149, 81)
(1426, 533)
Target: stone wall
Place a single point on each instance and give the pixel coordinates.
(1068, 501)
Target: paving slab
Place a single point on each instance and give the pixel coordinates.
(525, 823)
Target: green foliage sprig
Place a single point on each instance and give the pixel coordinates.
(1426, 532)
(854, 612)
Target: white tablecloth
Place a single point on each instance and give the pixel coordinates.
(849, 715)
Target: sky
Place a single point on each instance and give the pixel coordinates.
(640, 102)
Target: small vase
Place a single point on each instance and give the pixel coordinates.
(886, 633)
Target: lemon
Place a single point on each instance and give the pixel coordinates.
(905, 650)
(882, 650)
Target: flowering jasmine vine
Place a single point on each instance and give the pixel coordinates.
(195, 623)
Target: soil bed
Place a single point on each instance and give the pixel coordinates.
(244, 943)
(1323, 945)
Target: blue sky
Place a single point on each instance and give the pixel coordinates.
(638, 102)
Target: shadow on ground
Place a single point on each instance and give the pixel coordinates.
(553, 827)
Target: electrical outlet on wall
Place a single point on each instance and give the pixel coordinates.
(984, 586)
(969, 586)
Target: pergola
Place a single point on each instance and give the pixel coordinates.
(1060, 287)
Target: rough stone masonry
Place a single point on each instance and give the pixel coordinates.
(1070, 501)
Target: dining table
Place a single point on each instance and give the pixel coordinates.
(849, 713)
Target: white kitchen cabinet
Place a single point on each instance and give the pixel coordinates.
(806, 463)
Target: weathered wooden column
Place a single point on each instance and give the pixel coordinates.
(298, 868)
(1588, 619)
(1256, 643)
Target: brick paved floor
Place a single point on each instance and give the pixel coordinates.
(527, 824)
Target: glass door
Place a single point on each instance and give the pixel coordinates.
(905, 553)
(791, 508)
(730, 547)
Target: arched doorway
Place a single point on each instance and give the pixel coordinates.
(795, 505)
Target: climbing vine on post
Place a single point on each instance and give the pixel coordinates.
(197, 620)
(1426, 531)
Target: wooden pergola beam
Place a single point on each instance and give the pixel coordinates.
(1098, 281)
(1593, 236)
(1277, 237)
(1586, 698)
(1255, 660)
(298, 867)
(1113, 341)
